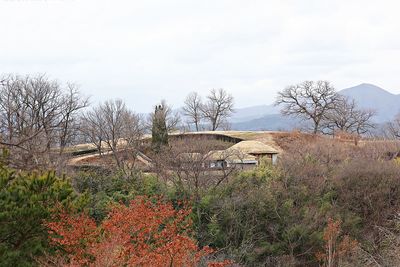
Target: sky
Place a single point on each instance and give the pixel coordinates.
(148, 50)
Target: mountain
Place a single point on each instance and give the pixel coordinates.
(271, 122)
(370, 96)
(367, 96)
(254, 112)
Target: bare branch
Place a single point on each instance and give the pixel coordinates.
(114, 127)
(218, 108)
(193, 109)
(347, 117)
(309, 101)
(37, 117)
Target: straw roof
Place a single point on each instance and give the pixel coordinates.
(253, 147)
(231, 156)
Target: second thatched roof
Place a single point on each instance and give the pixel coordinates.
(253, 147)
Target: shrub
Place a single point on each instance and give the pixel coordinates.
(26, 199)
(147, 232)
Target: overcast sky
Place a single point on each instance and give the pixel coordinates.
(145, 51)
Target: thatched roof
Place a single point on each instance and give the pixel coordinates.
(253, 147)
(231, 156)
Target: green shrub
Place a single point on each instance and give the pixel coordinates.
(26, 200)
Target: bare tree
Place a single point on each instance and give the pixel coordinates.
(114, 116)
(347, 117)
(193, 109)
(393, 127)
(91, 128)
(309, 101)
(364, 121)
(186, 165)
(114, 127)
(218, 108)
(37, 118)
(72, 103)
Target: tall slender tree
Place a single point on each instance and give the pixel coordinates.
(192, 109)
(159, 131)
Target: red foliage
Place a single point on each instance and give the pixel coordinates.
(75, 234)
(145, 233)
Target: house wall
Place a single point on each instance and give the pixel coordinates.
(266, 158)
(274, 158)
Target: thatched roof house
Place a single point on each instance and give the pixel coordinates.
(243, 153)
(257, 149)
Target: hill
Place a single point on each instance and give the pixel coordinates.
(370, 96)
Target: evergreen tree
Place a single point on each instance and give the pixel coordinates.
(26, 200)
(159, 128)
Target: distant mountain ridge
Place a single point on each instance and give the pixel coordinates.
(370, 96)
(254, 112)
(268, 117)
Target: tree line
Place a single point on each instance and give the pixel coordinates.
(40, 117)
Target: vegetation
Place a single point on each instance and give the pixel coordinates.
(276, 216)
(327, 202)
(26, 199)
(144, 233)
(314, 208)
